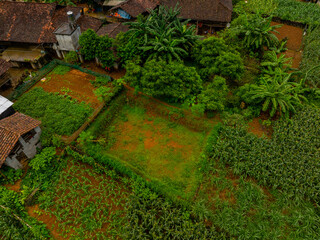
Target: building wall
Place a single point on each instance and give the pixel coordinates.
(28, 148)
(69, 42)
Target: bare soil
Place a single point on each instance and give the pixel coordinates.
(294, 36)
(258, 129)
(74, 83)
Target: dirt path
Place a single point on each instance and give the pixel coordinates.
(294, 43)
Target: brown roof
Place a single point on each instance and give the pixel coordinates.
(85, 22)
(11, 128)
(4, 66)
(29, 22)
(136, 7)
(25, 22)
(203, 10)
(112, 29)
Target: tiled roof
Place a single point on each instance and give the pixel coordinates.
(11, 128)
(85, 22)
(203, 10)
(4, 66)
(29, 22)
(25, 22)
(136, 7)
(112, 29)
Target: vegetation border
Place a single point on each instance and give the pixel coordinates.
(44, 71)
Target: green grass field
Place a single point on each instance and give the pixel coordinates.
(155, 146)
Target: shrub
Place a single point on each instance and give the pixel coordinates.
(104, 52)
(89, 42)
(229, 65)
(255, 32)
(71, 57)
(214, 95)
(173, 81)
(212, 52)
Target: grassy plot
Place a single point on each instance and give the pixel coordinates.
(241, 207)
(84, 204)
(58, 114)
(156, 147)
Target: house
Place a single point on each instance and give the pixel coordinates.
(5, 77)
(27, 30)
(6, 108)
(112, 29)
(132, 8)
(19, 139)
(206, 14)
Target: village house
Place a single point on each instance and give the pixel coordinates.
(29, 31)
(19, 140)
(207, 15)
(112, 29)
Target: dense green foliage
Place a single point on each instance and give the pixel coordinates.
(254, 32)
(289, 161)
(152, 217)
(104, 52)
(128, 47)
(165, 36)
(172, 81)
(93, 46)
(71, 57)
(58, 114)
(311, 56)
(214, 95)
(277, 93)
(297, 11)
(292, 10)
(14, 221)
(89, 42)
(214, 57)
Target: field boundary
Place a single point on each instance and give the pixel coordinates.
(46, 70)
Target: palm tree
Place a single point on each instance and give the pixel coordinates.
(277, 94)
(165, 35)
(257, 32)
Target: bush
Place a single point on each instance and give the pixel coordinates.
(212, 52)
(172, 81)
(71, 57)
(229, 65)
(104, 52)
(89, 42)
(214, 95)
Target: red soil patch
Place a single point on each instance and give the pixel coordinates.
(258, 129)
(15, 187)
(75, 83)
(293, 34)
(46, 219)
(296, 57)
(52, 222)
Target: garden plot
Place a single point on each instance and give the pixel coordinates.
(72, 82)
(64, 100)
(294, 43)
(156, 147)
(83, 205)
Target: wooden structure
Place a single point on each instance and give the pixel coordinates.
(19, 139)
